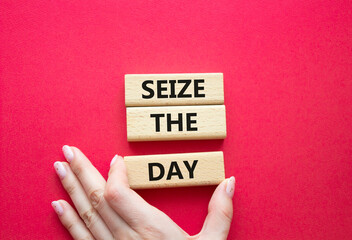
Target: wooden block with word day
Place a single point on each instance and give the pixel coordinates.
(176, 123)
(174, 89)
(175, 170)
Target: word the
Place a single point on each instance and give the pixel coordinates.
(179, 121)
(163, 85)
(174, 170)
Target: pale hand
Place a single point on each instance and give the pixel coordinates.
(112, 210)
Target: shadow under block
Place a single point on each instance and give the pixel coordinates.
(174, 89)
(176, 123)
(175, 170)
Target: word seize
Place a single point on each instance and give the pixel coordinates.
(174, 89)
(161, 88)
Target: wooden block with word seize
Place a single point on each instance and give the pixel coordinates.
(174, 89)
(176, 123)
(175, 170)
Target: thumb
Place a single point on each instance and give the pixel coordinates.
(220, 210)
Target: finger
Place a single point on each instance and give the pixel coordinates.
(94, 184)
(220, 210)
(85, 209)
(71, 221)
(126, 202)
(140, 215)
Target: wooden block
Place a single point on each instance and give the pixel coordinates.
(176, 123)
(174, 89)
(175, 170)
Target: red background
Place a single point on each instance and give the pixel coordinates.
(288, 89)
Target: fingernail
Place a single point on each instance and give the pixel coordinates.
(113, 160)
(57, 207)
(68, 153)
(230, 187)
(60, 169)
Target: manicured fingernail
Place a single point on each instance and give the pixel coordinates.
(60, 169)
(230, 187)
(68, 153)
(113, 160)
(57, 207)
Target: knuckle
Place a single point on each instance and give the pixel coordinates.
(96, 198)
(77, 169)
(89, 217)
(227, 215)
(152, 232)
(112, 194)
(71, 189)
(223, 213)
(69, 226)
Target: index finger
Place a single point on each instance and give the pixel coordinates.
(94, 185)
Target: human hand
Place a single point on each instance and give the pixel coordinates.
(112, 210)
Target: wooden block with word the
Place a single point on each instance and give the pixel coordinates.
(176, 123)
(174, 89)
(175, 170)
